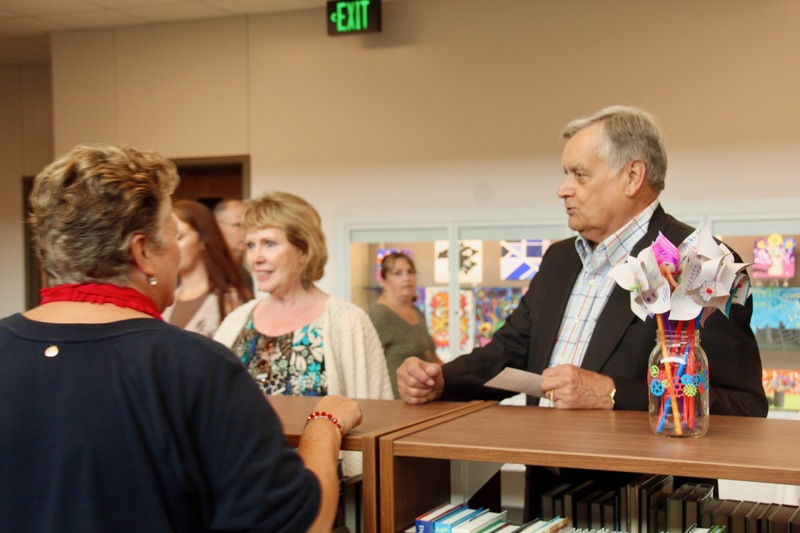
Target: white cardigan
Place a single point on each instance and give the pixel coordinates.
(354, 360)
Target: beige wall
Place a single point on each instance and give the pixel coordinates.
(455, 107)
(26, 145)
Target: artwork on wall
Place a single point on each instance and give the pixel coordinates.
(437, 317)
(492, 307)
(773, 257)
(383, 252)
(776, 316)
(520, 260)
(470, 268)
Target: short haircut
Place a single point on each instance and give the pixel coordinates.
(628, 134)
(87, 206)
(299, 220)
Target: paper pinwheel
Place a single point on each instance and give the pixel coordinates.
(693, 280)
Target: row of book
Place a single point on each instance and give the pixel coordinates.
(650, 504)
(636, 507)
(646, 504)
(460, 518)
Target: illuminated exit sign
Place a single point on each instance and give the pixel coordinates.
(354, 16)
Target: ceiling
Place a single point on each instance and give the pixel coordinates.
(26, 24)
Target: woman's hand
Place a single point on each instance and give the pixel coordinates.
(345, 410)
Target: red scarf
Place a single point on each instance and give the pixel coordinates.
(100, 293)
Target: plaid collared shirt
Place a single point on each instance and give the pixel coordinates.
(593, 287)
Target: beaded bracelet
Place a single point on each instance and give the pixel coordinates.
(327, 416)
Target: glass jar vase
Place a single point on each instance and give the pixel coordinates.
(678, 384)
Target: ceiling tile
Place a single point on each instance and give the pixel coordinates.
(167, 13)
(95, 19)
(37, 8)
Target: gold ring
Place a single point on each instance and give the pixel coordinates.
(551, 395)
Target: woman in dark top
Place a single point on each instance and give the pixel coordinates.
(113, 420)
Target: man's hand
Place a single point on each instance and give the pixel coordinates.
(419, 382)
(570, 387)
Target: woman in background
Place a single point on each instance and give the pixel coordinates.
(400, 325)
(112, 420)
(210, 282)
(298, 340)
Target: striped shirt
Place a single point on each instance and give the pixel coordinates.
(593, 287)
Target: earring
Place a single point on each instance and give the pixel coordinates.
(152, 280)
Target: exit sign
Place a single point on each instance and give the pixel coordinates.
(354, 16)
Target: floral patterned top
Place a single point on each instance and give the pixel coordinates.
(292, 364)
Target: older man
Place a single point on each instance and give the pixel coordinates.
(228, 214)
(574, 325)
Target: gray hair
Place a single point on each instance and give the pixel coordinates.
(87, 206)
(628, 134)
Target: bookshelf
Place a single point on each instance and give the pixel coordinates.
(380, 417)
(414, 462)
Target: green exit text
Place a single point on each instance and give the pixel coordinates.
(351, 16)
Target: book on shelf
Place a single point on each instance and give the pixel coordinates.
(480, 521)
(492, 525)
(706, 518)
(604, 511)
(529, 523)
(552, 502)
(675, 517)
(506, 528)
(631, 496)
(753, 518)
(694, 503)
(584, 519)
(763, 522)
(794, 522)
(713, 529)
(571, 497)
(723, 511)
(737, 520)
(545, 526)
(446, 524)
(642, 492)
(425, 521)
(780, 519)
(652, 499)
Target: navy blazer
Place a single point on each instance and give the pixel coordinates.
(621, 343)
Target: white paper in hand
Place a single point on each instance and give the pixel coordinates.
(517, 380)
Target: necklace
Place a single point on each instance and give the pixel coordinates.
(100, 293)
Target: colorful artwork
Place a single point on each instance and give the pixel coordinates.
(470, 268)
(492, 307)
(437, 317)
(419, 303)
(787, 381)
(773, 257)
(775, 307)
(521, 259)
(383, 252)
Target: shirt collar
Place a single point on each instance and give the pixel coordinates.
(617, 246)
